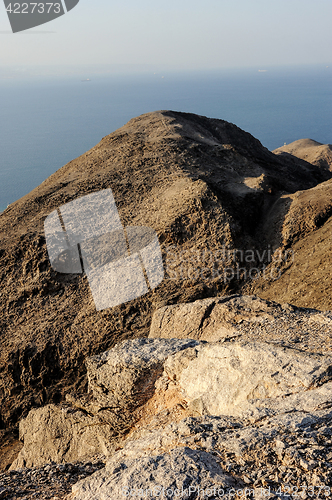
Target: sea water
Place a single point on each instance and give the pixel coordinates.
(46, 122)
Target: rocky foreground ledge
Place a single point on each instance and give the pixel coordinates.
(191, 417)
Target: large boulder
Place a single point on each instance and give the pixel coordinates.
(124, 378)
(246, 318)
(122, 382)
(211, 319)
(181, 472)
(250, 380)
(62, 434)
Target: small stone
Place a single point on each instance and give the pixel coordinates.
(280, 445)
(3, 493)
(315, 479)
(307, 465)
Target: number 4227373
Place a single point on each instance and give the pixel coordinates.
(34, 8)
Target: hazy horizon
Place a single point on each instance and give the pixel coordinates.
(87, 71)
(183, 35)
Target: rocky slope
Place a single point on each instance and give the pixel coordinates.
(220, 204)
(306, 229)
(191, 415)
(311, 151)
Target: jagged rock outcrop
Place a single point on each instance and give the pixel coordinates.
(153, 382)
(179, 414)
(121, 382)
(290, 452)
(211, 192)
(246, 318)
(276, 454)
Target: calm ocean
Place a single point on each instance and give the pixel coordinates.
(46, 122)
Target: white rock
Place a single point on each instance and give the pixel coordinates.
(181, 473)
(247, 379)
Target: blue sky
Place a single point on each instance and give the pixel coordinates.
(184, 34)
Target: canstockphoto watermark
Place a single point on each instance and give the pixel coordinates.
(212, 492)
(283, 491)
(24, 15)
(121, 263)
(225, 264)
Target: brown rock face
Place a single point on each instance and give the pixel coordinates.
(303, 262)
(215, 197)
(311, 151)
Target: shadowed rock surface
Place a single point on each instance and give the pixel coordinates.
(203, 185)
